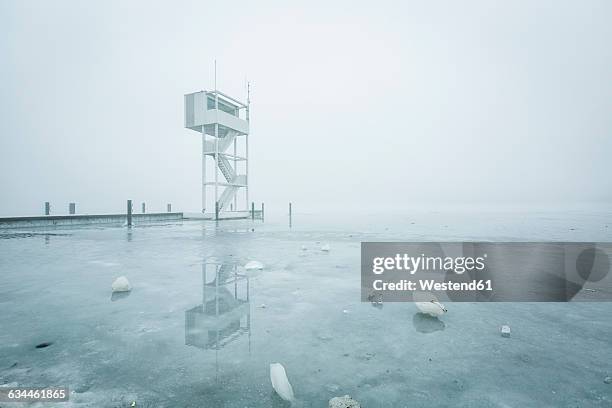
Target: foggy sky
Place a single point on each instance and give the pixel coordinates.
(370, 105)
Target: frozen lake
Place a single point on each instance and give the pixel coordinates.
(159, 346)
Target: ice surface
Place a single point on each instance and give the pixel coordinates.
(164, 345)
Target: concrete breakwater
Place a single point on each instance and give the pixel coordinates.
(85, 219)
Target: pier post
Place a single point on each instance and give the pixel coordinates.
(289, 210)
(169, 207)
(253, 210)
(262, 211)
(216, 210)
(143, 208)
(72, 208)
(129, 213)
(47, 208)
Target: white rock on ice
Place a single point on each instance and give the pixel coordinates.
(432, 308)
(343, 402)
(253, 265)
(505, 330)
(280, 382)
(121, 284)
(325, 248)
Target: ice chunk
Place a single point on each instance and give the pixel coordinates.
(343, 402)
(608, 380)
(432, 308)
(505, 330)
(427, 303)
(304, 248)
(280, 382)
(121, 284)
(325, 248)
(253, 265)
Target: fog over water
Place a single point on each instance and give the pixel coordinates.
(354, 104)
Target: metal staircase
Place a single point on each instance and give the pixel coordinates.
(226, 169)
(234, 180)
(227, 140)
(226, 196)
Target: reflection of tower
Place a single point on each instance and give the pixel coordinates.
(224, 314)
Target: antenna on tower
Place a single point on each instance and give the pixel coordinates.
(248, 104)
(215, 75)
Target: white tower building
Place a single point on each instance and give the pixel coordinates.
(224, 124)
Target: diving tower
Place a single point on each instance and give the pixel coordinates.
(223, 122)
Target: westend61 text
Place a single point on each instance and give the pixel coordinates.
(432, 285)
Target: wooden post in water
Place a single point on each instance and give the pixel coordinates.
(253, 210)
(216, 210)
(169, 207)
(72, 208)
(262, 211)
(47, 208)
(289, 214)
(129, 213)
(143, 208)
